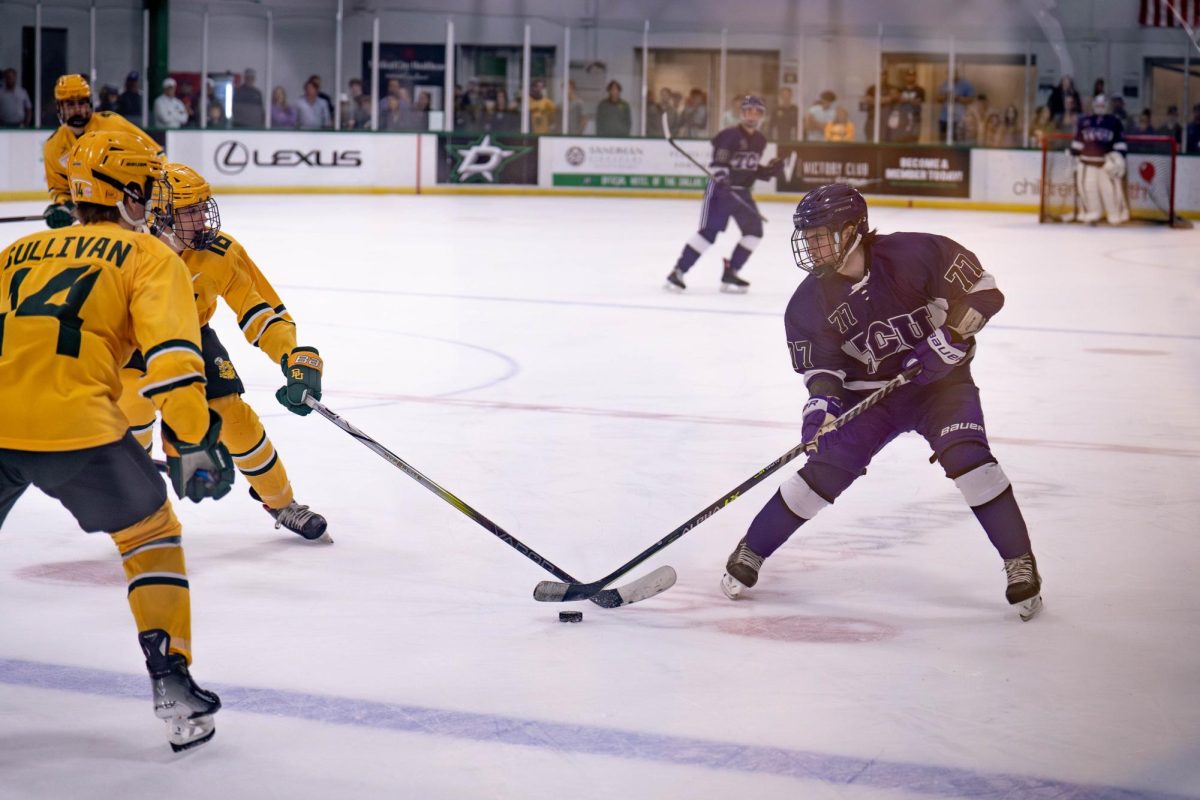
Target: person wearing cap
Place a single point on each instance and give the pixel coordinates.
(73, 104)
(248, 103)
(129, 103)
(169, 111)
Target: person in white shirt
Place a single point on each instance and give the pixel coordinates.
(169, 111)
(313, 110)
(15, 109)
(819, 114)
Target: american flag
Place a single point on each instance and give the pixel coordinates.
(1162, 13)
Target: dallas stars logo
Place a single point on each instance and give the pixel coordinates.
(482, 160)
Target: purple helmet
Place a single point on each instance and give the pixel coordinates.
(820, 219)
(753, 101)
(749, 103)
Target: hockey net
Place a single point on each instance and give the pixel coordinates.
(1149, 179)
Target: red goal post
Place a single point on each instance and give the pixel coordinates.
(1149, 179)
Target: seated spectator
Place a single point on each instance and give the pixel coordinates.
(693, 119)
(216, 116)
(129, 103)
(819, 114)
(169, 112)
(613, 116)
(283, 115)
(312, 110)
(1043, 126)
(1007, 130)
(840, 128)
(1143, 125)
(247, 103)
(15, 109)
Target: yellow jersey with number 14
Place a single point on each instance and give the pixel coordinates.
(74, 303)
(57, 149)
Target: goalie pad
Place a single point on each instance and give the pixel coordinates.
(1100, 194)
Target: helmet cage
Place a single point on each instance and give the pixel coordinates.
(820, 249)
(194, 226)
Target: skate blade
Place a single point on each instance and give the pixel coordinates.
(324, 538)
(187, 734)
(670, 287)
(729, 288)
(1030, 608)
(732, 587)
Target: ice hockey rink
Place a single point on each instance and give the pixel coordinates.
(522, 353)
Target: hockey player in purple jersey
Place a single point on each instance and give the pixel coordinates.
(1099, 148)
(872, 307)
(734, 167)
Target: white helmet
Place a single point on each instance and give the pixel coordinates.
(1099, 104)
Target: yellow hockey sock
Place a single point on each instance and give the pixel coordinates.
(253, 454)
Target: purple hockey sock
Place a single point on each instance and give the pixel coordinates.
(738, 259)
(1001, 518)
(772, 527)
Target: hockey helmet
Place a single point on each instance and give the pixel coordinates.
(193, 218)
(821, 241)
(73, 87)
(753, 110)
(108, 168)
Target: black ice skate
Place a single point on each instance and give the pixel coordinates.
(185, 707)
(1024, 585)
(675, 282)
(730, 282)
(741, 571)
(298, 519)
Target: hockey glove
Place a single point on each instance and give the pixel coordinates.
(303, 371)
(936, 355)
(59, 215)
(199, 470)
(720, 178)
(819, 411)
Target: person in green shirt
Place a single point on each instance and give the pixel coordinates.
(613, 117)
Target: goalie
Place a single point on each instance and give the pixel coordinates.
(1100, 148)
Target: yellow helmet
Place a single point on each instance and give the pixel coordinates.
(193, 219)
(72, 87)
(109, 167)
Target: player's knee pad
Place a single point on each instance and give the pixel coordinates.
(749, 242)
(801, 498)
(975, 472)
(701, 240)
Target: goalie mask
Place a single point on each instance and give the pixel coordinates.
(73, 96)
(192, 220)
(831, 222)
(753, 111)
(1099, 104)
(121, 170)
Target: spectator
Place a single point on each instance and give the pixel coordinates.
(541, 109)
(1068, 121)
(421, 111)
(1043, 126)
(693, 120)
(168, 109)
(819, 114)
(654, 115)
(904, 120)
(668, 101)
(578, 120)
(613, 117)
(954, 98)
(129, 104)
(210, 100)
(315, 80)
(1144, 125)
(1098, 88)
(784, 123)
(392, 118)
(1007, 132)
(189, 103)
(867, 104)
(393, 90)
(974, 127)
(108, 98)
(216, 116)
(1172, 127)
(282, 114)
(505, 117)
(15, 109)
(313, 112)
(360, 113)
(354, 86)
(473, 100)
(1193, 131)
(1057, 102)
(248, 103)
(1118, 110)
(840, 128)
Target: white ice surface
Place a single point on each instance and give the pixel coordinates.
(522, 353)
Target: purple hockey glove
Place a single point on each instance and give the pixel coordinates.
(936, 355)
(819, 411)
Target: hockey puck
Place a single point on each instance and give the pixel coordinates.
(570, 616)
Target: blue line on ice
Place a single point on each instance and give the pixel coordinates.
(1187, 337)
(925, 779)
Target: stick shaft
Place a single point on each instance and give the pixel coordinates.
(29, 218)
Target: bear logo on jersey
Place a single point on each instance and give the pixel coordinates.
(225, 369)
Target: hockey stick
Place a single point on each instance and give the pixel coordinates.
(30, 218)
(704, 169)
(642, 588)
(554, 592)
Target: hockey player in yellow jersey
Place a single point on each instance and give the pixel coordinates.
(73, 305)
(222, 269)
(73, 96)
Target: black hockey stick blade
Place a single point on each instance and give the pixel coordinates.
(658, 581)
(29, 218)
(560, 592)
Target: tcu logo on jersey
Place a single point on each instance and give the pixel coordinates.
(884, 338)
(1097, 134)
(744, 159)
